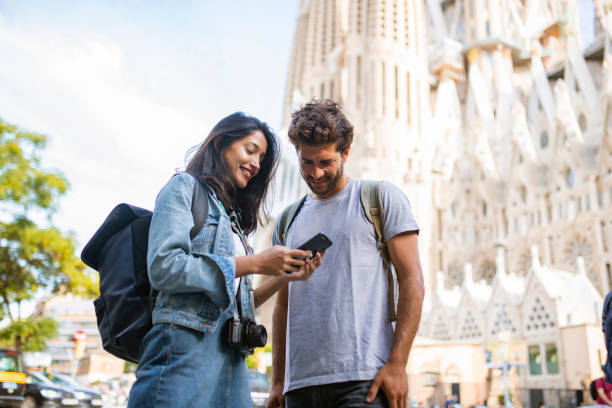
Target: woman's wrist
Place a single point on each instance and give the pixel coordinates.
(255, 264)
(247, 265)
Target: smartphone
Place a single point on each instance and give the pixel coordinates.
(318, 243)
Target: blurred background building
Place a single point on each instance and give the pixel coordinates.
(493, 117)
(77, 348)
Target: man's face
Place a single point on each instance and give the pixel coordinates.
(322, 168)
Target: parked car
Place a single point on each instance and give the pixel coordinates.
(260, 388)
(12, 378)
(86, 397)
(42, 393)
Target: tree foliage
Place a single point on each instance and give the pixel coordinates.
(34, 255)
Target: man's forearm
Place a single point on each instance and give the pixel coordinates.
(410, 303)
(279, 330)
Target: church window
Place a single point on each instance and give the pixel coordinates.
(582, 122)
(552, 359)
(382, 18)
(454, 275)
(359, 16)
(358, 93)
(580, 246)
(408, 99)
(538, 317)
(535, 359)
(523, 192)
(543, 139)
(587, 199)
(395, 20)
(406, 25)
(430, 379)
(384, 88)
(487, 271)
(523, 263)
(484, 209)
(579, 201)
(503, 321)
(395, 80)
(441, 331)
(470, 328)
(569, 178)
(323, 48)
(600, 198)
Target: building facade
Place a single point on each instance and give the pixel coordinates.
(493, 117)
(86, 359)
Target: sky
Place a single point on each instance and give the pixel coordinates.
(124, 89)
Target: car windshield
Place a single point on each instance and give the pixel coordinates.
(62, 380)
(258, 382)
(10, 361)
(39, 378)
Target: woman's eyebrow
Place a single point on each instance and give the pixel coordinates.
(254, 144)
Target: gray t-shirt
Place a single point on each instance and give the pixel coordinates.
(337, 323)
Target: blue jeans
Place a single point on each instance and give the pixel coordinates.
(181, 367)
(351, 394)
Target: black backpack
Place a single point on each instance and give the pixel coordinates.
(118, 251)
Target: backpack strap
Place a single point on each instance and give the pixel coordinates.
(285, 219)
(371, 201)
(199, 208)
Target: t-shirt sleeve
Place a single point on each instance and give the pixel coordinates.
(275, 240)
(398, 216)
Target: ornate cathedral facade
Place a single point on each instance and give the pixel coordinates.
(494, 118)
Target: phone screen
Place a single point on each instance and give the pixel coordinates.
(318, 243)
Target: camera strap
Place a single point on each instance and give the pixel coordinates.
(238, 307)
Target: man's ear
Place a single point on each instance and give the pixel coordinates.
(345, 154)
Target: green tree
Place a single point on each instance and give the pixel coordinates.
(35, 256)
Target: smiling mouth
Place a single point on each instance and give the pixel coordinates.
(319, 182)
(247, 173)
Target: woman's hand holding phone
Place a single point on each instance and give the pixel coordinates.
(312, 263)
(279, 259)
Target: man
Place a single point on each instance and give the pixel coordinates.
(333, 342)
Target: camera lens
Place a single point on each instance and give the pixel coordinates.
(256, 335)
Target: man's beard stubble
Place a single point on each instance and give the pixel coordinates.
(332, 184)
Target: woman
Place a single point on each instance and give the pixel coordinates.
(186, 359)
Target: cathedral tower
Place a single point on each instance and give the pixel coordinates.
(370, 56)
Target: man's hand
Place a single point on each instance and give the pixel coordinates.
(393, 380)
(276, 399)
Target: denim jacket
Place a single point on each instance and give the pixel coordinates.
(195, 278)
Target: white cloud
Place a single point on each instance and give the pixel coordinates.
(113, 143)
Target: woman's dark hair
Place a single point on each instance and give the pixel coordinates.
(208, 166)
(320, 122)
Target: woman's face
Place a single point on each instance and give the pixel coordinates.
(244, 156)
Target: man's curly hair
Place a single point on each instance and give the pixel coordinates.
(320, 122)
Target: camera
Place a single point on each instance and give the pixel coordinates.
(245, 334)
